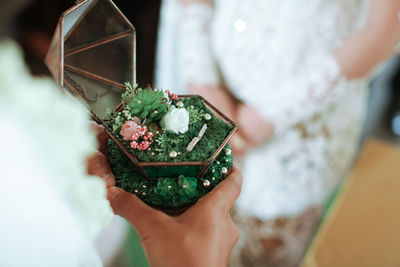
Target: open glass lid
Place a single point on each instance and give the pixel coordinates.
(92, 54)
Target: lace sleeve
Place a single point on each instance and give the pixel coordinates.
(197, 64)
(300, 97)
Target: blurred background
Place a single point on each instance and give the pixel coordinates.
(34, 27)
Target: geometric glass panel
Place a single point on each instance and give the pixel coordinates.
(111, 60)
(74, 16)
(98, 96)
(101, 22)
(92, 54)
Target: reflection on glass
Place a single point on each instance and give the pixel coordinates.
(73, 17)
(101, 21)
(110, 60)
(98, 96)
(93, 48)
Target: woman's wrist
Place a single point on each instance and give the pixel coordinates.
(252, 126)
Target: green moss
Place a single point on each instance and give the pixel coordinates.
(171, 186)
(183, 190)
(217, 131)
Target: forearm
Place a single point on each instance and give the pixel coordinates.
(253, 128)
(375, 42)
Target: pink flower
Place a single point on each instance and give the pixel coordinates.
(134, 144)
(139, 135)
(174, 97)
(170, 96)
(130, 128)
(144, 145)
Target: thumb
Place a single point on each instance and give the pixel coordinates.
(101, 136)
(142, 217)
(97, 164)
(225, 193)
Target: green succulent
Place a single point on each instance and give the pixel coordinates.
(187, 187)
(146, 103)
(166, 187)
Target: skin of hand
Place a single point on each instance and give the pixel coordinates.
(239, 146)
(375, 42)
(203, 236)
(253, 127)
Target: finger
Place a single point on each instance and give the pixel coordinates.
(101, 136)
(238, 145)
(141, 216)
(226, 192)
(97, 164)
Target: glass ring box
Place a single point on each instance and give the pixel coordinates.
(92, 57)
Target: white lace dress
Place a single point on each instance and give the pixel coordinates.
(277, 57)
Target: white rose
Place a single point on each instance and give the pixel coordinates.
(176, 120)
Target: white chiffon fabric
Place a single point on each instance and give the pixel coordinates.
(51, 210)
(278, 57)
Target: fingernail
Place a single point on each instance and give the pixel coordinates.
(109, 180)
(113, 192)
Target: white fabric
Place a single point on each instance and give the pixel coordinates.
(167, 75)
(277, 57)
(193, 34)
(51, 210)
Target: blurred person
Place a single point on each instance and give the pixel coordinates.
(34, 33)
(33, 30)
(52, 209)
(202, 236)
(294, 75)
